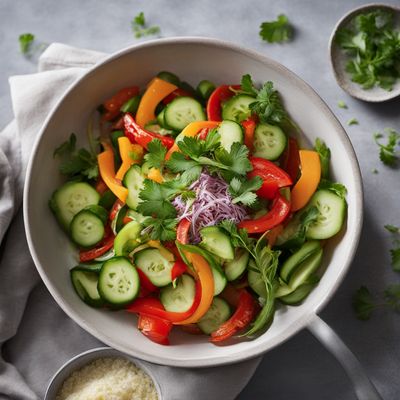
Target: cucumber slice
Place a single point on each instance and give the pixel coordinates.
(160, 118)
(235, 268)
(217, 314)
(85, 285)
(155, 127)
(182, 111)
(155, 266)
(169, 77)
(269, 141)
(217, 242)
(293, 235)
(237, 108)
(220, 280)
(255, 281)
(106, 256)
(305, 269)
(301, 292)
(127, 238)
(133, 180)
(91, 267)
(332, 212)
(99, 211)
(71, 198)
(204, 89)
(131, 105)
(180, 298)
(87, 228)
(118, 281)
(291, 264)
(230, 132)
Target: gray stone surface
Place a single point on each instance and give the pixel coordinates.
(301, 368)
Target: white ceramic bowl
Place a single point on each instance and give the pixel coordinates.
(85, 358)
(192, 59)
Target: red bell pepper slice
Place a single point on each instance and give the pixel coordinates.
(176, 93)
(182, 231)
(145, 283)
(101, 187)
(136, 134)
(218, 96)
(276, 215)
(178, 269)
(192, 329)
(115, 209)
(245, 312)
(291, 159)
(151, 306)
(249, 126)
(273, 177)
(105, 245)
(114, 104)
(156, 329)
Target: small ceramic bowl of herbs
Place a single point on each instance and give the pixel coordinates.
(365, 52)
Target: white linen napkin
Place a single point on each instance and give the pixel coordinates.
(36, 337)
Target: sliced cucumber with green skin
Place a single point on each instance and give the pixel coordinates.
(235, 268)
(87, 228)
(90, 267)
(98, 210)
(332, 212)
(133, 181)
(205, 88)
(160, 118)
(298, 295)
(155, 127)
(85, 285)
(291, 264)
(269, 141)
(217, 314)
(134, 215)
(127, 238)
(71, 198)
(131, 105)
(119, 282)
(255, 280)
(181, 297)
(217, 242)
(292, 236)
(182, 111)
(106, 256)
(118, 222)
(305, 269)
(220, 280)
(283, 290)
(169, 77)
(156, 267)
(237, 108)
(230, 132)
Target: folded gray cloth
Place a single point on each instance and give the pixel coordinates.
(35, 335)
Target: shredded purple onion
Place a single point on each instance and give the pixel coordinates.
(212, 205)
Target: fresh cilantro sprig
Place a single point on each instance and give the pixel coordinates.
(242, 190)
(161, 229)
(155, 156)
(364, 302)
(267, 104)
(373, 47)
(278, 31)
(239, 237)
(338, 188)
(76, 164)
(324, 155)
(342, 104)
(395, 251)
(25, 42)
(140, 28)
(387, 152)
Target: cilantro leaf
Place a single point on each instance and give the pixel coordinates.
(276, 31)
(140, 29)
(341, 104)
(363, 303)
(392, 297)
(156, 200)
(139, 19)
(352, 121)
(387, 153)
(242, 191)
(392, 228)
(25, 42)
(161, 229)
(239, 237)
(338, 188)
(67, 147)
(324, 155)
(247, 86)
(156, 154)
(236, 160)
(395, 255)
(179, 163)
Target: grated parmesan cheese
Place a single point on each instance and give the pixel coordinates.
(108, 379)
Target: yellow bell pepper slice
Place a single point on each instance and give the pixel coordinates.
(155, 175)
(130, 154)
(155, 92)
(305, 187)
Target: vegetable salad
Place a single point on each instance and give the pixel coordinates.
(197, 208)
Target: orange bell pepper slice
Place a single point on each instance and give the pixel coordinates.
(205, 277)
(130, 154)
(191, 130)
(155, 175)
(305, 187)
(105, 161)
(155, 92)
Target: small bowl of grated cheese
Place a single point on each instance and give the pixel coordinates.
(103, 374)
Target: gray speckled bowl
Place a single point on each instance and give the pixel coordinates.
(85, 358)
(339, 59)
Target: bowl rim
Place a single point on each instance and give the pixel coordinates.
(109, 352)
(361, 94)
(297, 325)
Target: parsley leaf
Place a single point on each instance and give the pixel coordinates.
(392, 297)
(161, 229)
(324, 155)
(392, 228)
(25, 42)
(276, 31)
(247, 86)
(140, 29)
(242, 191)
(395, 255)
(352, 121)
(156, 154)
(395, 252)
(387, 153)
(363, 303)
(341, 104)
(80, 164)
(338, 188)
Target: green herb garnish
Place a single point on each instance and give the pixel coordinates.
(140, 28)
(338, 188)
(373, 47)
(395, 251)
(341, 104)
(278, 31)
(324, 155)
(155, 157)
(387, 152)
(25, 42)
(242, 190)
(352, 121)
